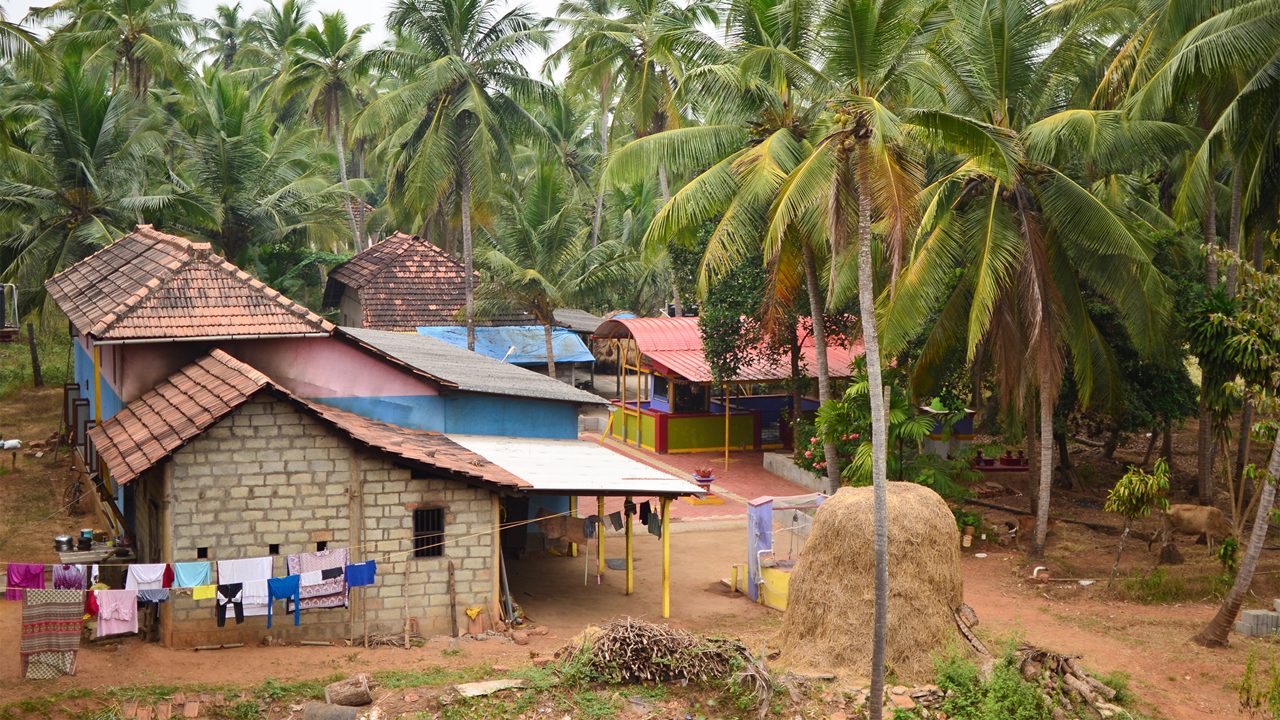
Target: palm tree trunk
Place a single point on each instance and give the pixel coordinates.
(1205, 451)
(1233, 226)
(597, 217)
(1046, 464)
(1033, 458)
(1209, 228)
(879, 436)
(1215, 633)
(551, 355)
(468, 259)
(665, 187)
(346, 186)
(830, 455)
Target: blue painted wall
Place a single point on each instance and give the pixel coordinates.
(468, 414)
(84, 378)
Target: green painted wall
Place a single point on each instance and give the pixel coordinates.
(704, 433)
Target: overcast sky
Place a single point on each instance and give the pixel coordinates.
(360, 12)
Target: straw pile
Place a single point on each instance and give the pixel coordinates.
(635, 651)
(828, 623)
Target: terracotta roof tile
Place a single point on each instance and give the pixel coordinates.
(151, 285)
(405, 282)
(190, 401)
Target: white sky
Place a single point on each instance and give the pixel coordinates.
(371, 12)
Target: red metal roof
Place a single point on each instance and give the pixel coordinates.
(150, 285)
(192, 400)
(674, 345)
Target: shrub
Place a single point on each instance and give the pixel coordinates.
(1004, 696)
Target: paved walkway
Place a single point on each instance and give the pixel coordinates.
(744, 480)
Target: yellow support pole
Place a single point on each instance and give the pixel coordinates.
(600, 538)
(630, 565)
(637, 349)
(666, 557)
(573, 513)
(622, 379)
(726, 427)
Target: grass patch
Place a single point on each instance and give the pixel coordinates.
(15, 361)
(432, 676)
(1159, 587)
(597, 704)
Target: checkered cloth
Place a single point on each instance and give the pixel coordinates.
(51, 624)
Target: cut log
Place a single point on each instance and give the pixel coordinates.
(352, 691)
(321, 711)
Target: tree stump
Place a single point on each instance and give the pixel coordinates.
(352, 692)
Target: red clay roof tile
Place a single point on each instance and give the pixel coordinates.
(151, 285)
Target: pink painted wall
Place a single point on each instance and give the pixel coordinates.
(148, 364)
(326, 367)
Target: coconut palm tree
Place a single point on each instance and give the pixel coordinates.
(15, 40)
(243, 181)
(538, 258)
(447, 128)
(328, 68)
(74, 180)
(1009, 238)
(223, 35)
(140, 40)
(271, 32)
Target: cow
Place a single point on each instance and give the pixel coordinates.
(1194, 520)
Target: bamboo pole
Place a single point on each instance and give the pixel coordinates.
(666, 557)
(630, 563)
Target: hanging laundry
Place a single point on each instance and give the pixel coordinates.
(331, 592)
(21, 576)
(285, 588)
(153, 595)
(51, 623)
(117, 612)
(230, 594)
(615, 519)
(192, 574)
(148, 577)
(644, 512)
(655, 525)
(590, 525)
(361, 574)
(68, 577)
(204, 592)
(332, 573)
(315, 577)
(252, 574)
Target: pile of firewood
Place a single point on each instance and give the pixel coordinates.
(634, 651)
(1064, 683)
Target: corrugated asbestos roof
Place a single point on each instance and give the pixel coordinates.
(674, 345)
(575, 466)
(465, 370)
(404, 282)
(149, 285)
(192, 400)
(577, 320)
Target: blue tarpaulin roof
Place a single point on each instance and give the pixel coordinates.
(529, 341)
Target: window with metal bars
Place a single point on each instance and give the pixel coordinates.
(428, 532)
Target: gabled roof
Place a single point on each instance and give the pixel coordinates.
(461, 369)
(149, 285)
(404, 282)
(674, 345)
(192, 400)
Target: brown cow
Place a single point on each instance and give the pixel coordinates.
(1025, 526)
(1195, 520)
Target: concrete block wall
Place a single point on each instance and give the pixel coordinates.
(271, 474)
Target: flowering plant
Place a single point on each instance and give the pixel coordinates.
(704, 472)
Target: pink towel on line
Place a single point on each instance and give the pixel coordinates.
(20, 576)
(117, 612)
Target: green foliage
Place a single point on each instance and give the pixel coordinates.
(1228, 555)
(1259, 687)
(729, 319)
(1138, 492)
(1004, 696)
(597, 705)
(15, 362)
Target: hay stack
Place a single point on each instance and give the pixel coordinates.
(828, 623)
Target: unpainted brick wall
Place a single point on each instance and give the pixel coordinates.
(270, 474)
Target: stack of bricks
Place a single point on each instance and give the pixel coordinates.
(1259, 623)
(268, 474)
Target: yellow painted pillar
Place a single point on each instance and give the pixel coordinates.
(726, 427)
(573, 514)
(600, 538)
(666, 557)
(622, 379)
(630, 565)
(637, 349)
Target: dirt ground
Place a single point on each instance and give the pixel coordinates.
(1148, 642)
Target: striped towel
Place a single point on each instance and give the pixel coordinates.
(51, 624)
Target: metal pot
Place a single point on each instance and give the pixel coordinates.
(85, 543)
(62, 543)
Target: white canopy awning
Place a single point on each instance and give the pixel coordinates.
(574, 467)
